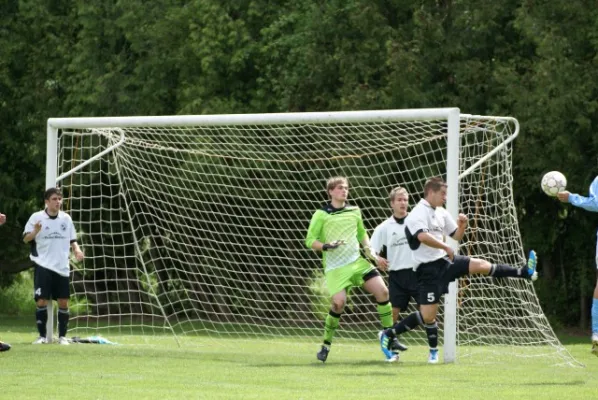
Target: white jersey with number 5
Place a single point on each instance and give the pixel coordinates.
(435, 221)
(50, 248)
(389, 238)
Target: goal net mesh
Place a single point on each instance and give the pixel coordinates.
(200, 230)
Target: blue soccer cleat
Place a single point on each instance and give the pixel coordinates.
(532, 262)
(385, 344)
(433, 357)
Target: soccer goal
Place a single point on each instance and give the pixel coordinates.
(194, 225)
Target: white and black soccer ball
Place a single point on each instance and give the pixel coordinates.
(553, 182)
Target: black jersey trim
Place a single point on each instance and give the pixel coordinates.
(400, 220)
(412, 239)
(328, 209)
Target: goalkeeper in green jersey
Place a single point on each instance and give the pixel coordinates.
(337, 230)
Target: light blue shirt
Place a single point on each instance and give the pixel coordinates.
(587, 203)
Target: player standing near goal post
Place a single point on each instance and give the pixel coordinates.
(3, 346)
(337, 231)
(438, 265)
(51, 234)
(389, 241)
(591, 204)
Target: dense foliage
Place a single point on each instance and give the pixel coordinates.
(534, 60)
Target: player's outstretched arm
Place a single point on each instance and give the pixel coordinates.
(587, 203)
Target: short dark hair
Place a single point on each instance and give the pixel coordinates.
(51, 192)
(434, 184)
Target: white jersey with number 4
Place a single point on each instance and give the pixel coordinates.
(390, 235)
(51, 246)
(436, 221)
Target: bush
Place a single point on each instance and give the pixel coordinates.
(17, 299)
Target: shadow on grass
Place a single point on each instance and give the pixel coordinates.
(570, 383)
(344, 363)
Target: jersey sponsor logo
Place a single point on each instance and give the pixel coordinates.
(399, 242)
(54, 235)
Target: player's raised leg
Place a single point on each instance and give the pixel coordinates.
(528, 271)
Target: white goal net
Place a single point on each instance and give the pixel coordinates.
(196, 225)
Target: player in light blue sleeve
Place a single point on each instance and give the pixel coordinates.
(3, 346)
(591, 204)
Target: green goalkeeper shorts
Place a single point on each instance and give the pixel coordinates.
(347, 276)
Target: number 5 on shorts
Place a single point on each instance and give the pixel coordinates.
(431, 296)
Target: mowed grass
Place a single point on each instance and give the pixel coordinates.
(155, 367)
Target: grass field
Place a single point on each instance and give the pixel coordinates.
(155, 367)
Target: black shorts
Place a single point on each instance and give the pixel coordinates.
(433, 278)
(47, 285)
(402, 285)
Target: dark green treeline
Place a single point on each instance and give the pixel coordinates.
(534, 60)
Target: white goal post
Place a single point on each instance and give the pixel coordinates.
(194, 223)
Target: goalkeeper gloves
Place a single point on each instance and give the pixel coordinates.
(370, 254)
(332, 245)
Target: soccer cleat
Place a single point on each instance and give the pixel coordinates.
(4, 346)
(385, 343)
(433, 357)
(40, 340)
(63, 341)
(323, 353)
(595, 344)
(532, 262)
(396, 346)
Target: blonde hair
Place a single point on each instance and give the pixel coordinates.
(397, 191)
(333, 182)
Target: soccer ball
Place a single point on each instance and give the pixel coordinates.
(553, 182)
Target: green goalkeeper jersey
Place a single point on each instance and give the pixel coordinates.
(329, 224)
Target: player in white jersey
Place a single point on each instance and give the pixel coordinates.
(51, 234)
(591, 204)
(437, 265)
(389, 241)
(3, 346)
